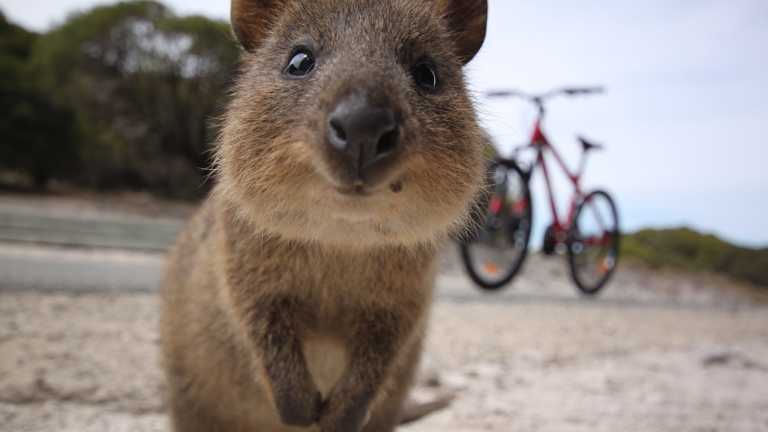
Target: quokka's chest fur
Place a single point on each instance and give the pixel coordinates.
(329, 277)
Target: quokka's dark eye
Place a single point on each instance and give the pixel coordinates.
(425, 76)
(302, 62)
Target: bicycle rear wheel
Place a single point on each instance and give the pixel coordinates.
(593, 242)
(494, 253)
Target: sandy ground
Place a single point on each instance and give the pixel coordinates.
(656, 352)
(536, 358)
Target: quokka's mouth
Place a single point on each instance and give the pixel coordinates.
(358, 190)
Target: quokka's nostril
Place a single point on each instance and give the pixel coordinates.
(338, 130)
(387, 143)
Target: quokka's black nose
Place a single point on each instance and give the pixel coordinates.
(365, 137)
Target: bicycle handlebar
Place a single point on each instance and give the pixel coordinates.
(540, 98)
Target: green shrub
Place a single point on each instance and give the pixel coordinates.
(37, 138)
(690, 250)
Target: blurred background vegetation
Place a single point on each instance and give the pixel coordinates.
(686, 249)
(119, 97)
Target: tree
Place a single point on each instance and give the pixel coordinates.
(37, 137)
(143, 85)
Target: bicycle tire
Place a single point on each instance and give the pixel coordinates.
(574, 240)
(515, 267)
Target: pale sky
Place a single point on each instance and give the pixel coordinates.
(684, 120)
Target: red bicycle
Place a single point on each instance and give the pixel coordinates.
(496, 249)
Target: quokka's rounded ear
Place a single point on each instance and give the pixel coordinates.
(252, 19)
(467, 20)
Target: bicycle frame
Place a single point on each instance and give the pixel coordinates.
(541, 144)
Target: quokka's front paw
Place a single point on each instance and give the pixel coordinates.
(300, 408)
(338, 417)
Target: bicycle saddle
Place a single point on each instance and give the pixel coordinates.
(587, 145)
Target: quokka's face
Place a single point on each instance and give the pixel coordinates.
(350, 122)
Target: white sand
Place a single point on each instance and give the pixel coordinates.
(89, 362)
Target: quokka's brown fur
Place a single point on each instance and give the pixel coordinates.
(296, 300)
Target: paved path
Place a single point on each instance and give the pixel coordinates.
(544, 280)
(31, 267)
(76, 245)
(32, 223)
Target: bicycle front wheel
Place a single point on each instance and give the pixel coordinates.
(496, 250)
(593, 242)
